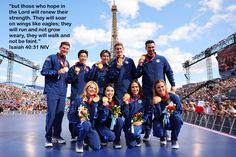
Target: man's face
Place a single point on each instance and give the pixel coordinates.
(150, 48)
(83, 58)
(119, 51)
(64, 49)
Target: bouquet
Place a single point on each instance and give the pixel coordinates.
(169, 109)
(138, 117)
(115, 111)
(83, 113)
(137, 129)
(156, 99)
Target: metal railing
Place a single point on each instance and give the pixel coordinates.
(224, 124)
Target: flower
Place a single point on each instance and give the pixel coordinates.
(83, 112)
(156, 99)
(115, 111)
(138, 117)
(170, 108)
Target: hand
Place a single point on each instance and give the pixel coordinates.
(82, 119)
(138, 123)
(61, 71)
(173, 89)
(141, 60)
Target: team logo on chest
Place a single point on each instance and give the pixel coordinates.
(158, 60)
(139, 101)
(126, 62)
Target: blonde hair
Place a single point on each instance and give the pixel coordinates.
(84, 95)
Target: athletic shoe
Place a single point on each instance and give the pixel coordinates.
(117, 145)
(175, 145)
(48, 143)
(59, 140)
(163, 141)
(79, 148)
(146, 137)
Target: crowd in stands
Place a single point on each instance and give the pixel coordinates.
(212, 99)
(21, 98)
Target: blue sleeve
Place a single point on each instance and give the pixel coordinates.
(48, 68)
(103, 113)
(72, 76)
(92, 72)
(86, 74)
(157, 111)
(134, 70)
(73, 112)
(169, 73)
(139, 71)
(179, 108)
(126, 112)
(113, 72)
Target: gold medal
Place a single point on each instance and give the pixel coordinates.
(156, 99)
(96, 99)
(77, 69)
(66, 69)
(100, 65)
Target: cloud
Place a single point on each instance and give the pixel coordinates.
(191, 30)
(157, 4)
(175, 58)
(186, 32)
(87, 36)
(135, 36)
(231, 8)
(126, 8)
(211, 5)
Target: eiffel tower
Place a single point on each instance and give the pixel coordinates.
(114, 32)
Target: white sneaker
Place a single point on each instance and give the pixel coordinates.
(168, 139)
(146, 138)
(175, 145)
(59, 140)
(48, 144)
(79, 148)
(163, 141)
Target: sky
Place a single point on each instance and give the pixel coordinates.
(180, 29)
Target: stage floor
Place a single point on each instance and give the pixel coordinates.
(23, 136)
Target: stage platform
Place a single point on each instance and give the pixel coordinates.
(23, 136)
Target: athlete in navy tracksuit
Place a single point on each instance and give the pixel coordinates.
(122, 71)
(153, 67)
(78, 77)
(85, 127)
(98, 72)
(104, 124)
(55, 70)
(175, 118)
(135, 105)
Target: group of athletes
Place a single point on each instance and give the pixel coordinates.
(107, 98)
